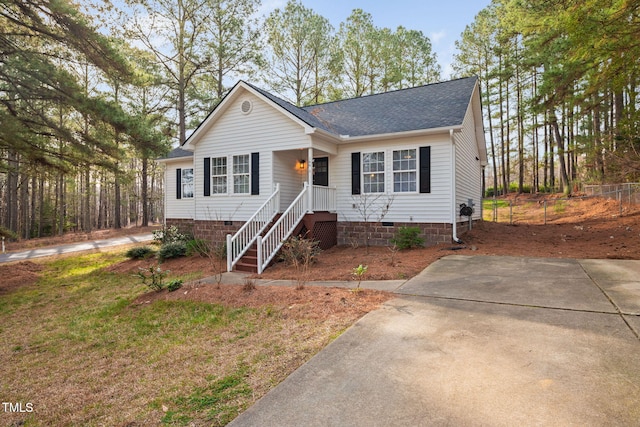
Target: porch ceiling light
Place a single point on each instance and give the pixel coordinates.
(302, 163)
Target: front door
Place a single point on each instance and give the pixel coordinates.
(321, 171)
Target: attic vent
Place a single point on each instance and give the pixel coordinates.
(246, 107)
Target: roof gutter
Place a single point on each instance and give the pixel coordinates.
(173, 159)
(383, 136)
(454, 222)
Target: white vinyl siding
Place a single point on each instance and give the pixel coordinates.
(433, 207)
(261, 131)
(468, 169)
(405, 175)
(177, 208)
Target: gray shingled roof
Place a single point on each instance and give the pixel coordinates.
(438, 105)
(177, 153)
(424, 107)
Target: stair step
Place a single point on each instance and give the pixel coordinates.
(240, 266)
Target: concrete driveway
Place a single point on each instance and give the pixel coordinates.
(480, 341)
(74, 247)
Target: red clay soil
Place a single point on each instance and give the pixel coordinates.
(590, 228)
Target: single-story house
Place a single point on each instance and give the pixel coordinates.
(259, 168)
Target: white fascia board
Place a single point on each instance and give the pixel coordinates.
(395, 135)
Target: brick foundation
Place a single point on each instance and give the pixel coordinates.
(347, 232)
(211, 231)
(350, 233)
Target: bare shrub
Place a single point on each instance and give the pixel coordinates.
(300, 253)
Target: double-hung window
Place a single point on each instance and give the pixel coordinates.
(241, 174)
(373, 172)
(219, 175)
(404, 171)
(186, 181)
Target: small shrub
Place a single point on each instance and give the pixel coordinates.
(407, 238)
(249, 285)
(140, 252)
(169, 235)
(298, 250)
(300, 253)
(5, 232)
(359, 273)
(198, 246)
(174, 285)
(394, 249)
(172, 250)
(153, 277)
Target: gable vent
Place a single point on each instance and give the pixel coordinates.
(246, 106)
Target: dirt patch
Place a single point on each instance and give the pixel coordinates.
(311, 302)
(337, 263)
(176, 266)
(18, 274)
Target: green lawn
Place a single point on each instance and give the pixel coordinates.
(75, 347)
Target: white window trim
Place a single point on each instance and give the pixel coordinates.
(416, 170)
(389, 173)
(226, 175)
(232, 188)
(383, 173)
(182, 183)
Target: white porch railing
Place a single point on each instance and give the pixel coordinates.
(270, 244)
(324, 198)
(240, 242)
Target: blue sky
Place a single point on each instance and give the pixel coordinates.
(441, 20)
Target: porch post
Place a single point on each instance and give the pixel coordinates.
(310, 178)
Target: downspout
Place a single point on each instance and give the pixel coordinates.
(454, 222)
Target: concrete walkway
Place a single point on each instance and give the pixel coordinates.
(480, 341)
(73, 247)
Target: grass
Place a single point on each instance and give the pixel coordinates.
(75, 347)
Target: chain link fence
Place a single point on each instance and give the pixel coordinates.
(609, 199)
(628, 192)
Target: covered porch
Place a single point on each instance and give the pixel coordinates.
(295, 169)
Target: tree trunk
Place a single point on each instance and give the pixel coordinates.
(40, 205)
(87, 199)
(491, 139)
(144, 191)
(561, 151)
(62, 212)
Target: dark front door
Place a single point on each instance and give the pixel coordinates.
(321, 171)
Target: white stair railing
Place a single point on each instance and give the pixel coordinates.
(324, 198)
(270, 244)
(240, 242)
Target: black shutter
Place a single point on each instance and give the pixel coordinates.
(355, 173)
(178, 183)
(255, 173)
(207, 176)
(425, 169)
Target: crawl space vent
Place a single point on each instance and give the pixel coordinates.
(246, 107)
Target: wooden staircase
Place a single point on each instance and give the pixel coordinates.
(249, 261)
(307, 228)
